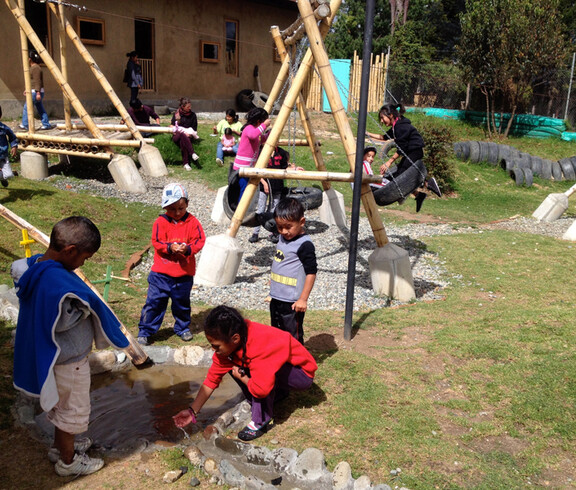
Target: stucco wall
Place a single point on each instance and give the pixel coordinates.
(179, 27)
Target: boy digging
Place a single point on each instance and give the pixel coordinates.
(60, 317)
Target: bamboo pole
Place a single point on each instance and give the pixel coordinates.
(133, 351)
(60, 151)
(99, 76)
(63, 63)
(301, 104)
(278, 84)
(329, 82)
(267, 173)
(283, 115)
(26, 68)
(54, 70)
(80, 141)
(120, 127)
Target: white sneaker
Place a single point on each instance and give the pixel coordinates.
(80, 465)
(187, 167)
(219, 162)
(80, 446)
(195, 157)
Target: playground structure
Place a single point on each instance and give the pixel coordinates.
(122, 167)
(389, 264)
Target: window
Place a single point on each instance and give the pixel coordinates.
(91, 31)
(231, 27)
(209, 52)
(37, 15)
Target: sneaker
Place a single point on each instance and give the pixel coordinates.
(253, 238)
(80, 465)
(433, 186)
(186, 336)
(80, 446)
(187, 167)
(142, 340)
(23, 128)
(248, 434)
(195, 157)
(4, 182)
(47, 128)
(273, 238)
(219, 162)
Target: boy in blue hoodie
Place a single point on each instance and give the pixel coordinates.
(60, 318)
(8, 142)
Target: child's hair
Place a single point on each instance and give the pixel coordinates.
(369, 149)
(256, 116)
(75, 230)
(289, 209)
(394, 110)
(228, 131)
(184, 101)
(223, 322)
(131, 54)
(136, 103)
(232, 114)
(35, 57)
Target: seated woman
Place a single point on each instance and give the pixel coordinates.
(185, 124)
(230, 121)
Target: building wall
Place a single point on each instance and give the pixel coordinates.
(179, 27)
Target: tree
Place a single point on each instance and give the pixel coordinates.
(507, 48)
(398, 13)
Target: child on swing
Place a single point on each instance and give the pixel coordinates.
(265, 362)
(409, 146)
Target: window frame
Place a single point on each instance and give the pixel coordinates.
(203, 58)
(237, 47)
(92, 20)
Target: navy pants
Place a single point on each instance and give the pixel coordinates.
(288, 378)
(161, 288)
(282, 316)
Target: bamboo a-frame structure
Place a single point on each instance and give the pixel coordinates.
(315, 23)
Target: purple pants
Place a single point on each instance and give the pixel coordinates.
(185, 144)
(288, 378)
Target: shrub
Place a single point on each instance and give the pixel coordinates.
(439, 142)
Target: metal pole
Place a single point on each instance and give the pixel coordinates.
(362, 113)
(570, 86)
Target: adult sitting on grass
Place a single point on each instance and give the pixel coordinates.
(229, 121)
(184, 119)
(141, 115)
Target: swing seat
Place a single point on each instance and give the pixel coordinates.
(231, 198)
(402, 186)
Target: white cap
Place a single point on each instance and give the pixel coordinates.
(173, 193)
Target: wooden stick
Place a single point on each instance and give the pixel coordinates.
(26, 66)
(63, 62)
(267, 173)
(80, 141)
(120, 127)
(60, 151)
(133, 351)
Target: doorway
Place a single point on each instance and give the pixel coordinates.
(144, 46)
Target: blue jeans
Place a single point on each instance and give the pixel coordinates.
(161, 288)
(39, 107)
(220, 152)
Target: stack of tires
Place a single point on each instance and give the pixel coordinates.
(522, 167)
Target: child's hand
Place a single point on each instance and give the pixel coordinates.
(14, 151)
(300, 305)
(178, 248)
(239, 374)
(183, 418)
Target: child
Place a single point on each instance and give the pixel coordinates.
(230, 121)
(272, 189)
(228, 142)
(293, 269)
(254, 134)
(369, 155)
(409, 146)
(185, 118)
(265, 362)
(7, 139)
(177, 237)
(60, 317)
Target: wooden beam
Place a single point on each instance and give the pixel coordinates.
(267, 173)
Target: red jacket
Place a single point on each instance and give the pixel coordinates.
(267, 350)
(167, 231)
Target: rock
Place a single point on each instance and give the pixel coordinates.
(260, 456)
(381, 486)
(101, 361)
(362, 483)
(158, 355)
(342, 477)
(210, 432)
(172, 476)
(211, 467)
(189, 355)
(120, 357)
(194, 455)
(283, 457)
(230, 474)
(310, 465)
(254, 483)
(194, 482)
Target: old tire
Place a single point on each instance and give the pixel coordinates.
(244, 99)
(310, 197)
(400, 187)
(567, 169)
(231, 198)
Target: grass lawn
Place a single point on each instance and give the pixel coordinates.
(475, 391)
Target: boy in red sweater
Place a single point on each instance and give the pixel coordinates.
(177, 236)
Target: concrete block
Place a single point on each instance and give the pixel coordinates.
(219, 261)
(552, 207)
(126, 175)
(151, 160)
(218, 215)
(332, 210)
(570, 233)
(33, 165)
(391, 272)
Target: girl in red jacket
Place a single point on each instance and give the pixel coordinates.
(265, 362)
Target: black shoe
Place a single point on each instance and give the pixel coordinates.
(273, 238)
(247, 434)
(142, 340)
(419, 200)
(4, 182)
(253, 238)
(433, 186)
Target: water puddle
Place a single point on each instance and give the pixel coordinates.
(139, 404)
